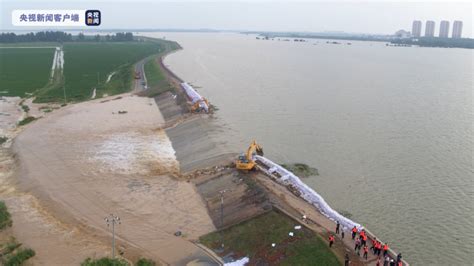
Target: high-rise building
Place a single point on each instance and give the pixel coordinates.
(429, 28)
(416, 28)
(444, 29)
(457, 29)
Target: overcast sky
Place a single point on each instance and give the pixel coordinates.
(381, 17)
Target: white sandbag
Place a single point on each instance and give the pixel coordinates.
(307, 193)
(194, 96)
(240, 262)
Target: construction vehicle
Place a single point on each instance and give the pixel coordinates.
(137, 75)
(197, 106)
(245, 160)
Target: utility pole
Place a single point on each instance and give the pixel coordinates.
(112, 219)
(64, 90)
(222, 215)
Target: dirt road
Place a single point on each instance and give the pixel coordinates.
(91, 159)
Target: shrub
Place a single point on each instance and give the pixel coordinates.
(104, 262)
(26, 120)
(25, 108)
(19, 257)
(5, 217)
(145, 262)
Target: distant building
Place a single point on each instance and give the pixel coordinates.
(457, 29)
(429, 28)
(444, 29)
(402, 34)
(416, 28)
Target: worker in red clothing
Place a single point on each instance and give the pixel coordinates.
(331, 240)
(385, 249)
(374, 240)
(354, 232)
(366, 251)
(378, 248)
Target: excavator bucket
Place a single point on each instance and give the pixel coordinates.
(259, 151)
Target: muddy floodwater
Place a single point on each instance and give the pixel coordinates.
(388, 128)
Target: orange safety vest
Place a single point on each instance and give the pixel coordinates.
(354, 230)
(364, 237)
(331, 238)
(385, 247)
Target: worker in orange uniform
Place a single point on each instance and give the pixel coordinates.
(366, 251)
(364, 239)
(385, 249)
(354, 232)
(331, 240)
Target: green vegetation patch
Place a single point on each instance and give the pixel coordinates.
(5, 217)
(254, 238)
(10, 246)
(301, 169)
(10, 252)
(156, 79)
(24, 70)
(3, 139)
(25, 108)
(27, 120)
(104, 262)
(18, 257)
(145, 262)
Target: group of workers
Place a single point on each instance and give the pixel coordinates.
(360, 242)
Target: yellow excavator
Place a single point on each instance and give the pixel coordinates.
(245, 160)
(196, 106)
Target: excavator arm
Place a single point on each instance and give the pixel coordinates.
(245, 161)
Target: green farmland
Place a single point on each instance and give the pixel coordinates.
(87, 66)
(24, 70)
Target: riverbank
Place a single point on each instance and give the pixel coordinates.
(297, 206)
(160, 170)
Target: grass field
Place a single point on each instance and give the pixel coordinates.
(87, 66)
(156, 80)
(24, 70)
(254, 239)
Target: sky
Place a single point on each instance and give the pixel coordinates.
(372, 17)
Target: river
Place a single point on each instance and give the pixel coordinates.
(389, 128)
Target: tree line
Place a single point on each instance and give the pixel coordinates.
(59, 36)
(438, 42)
